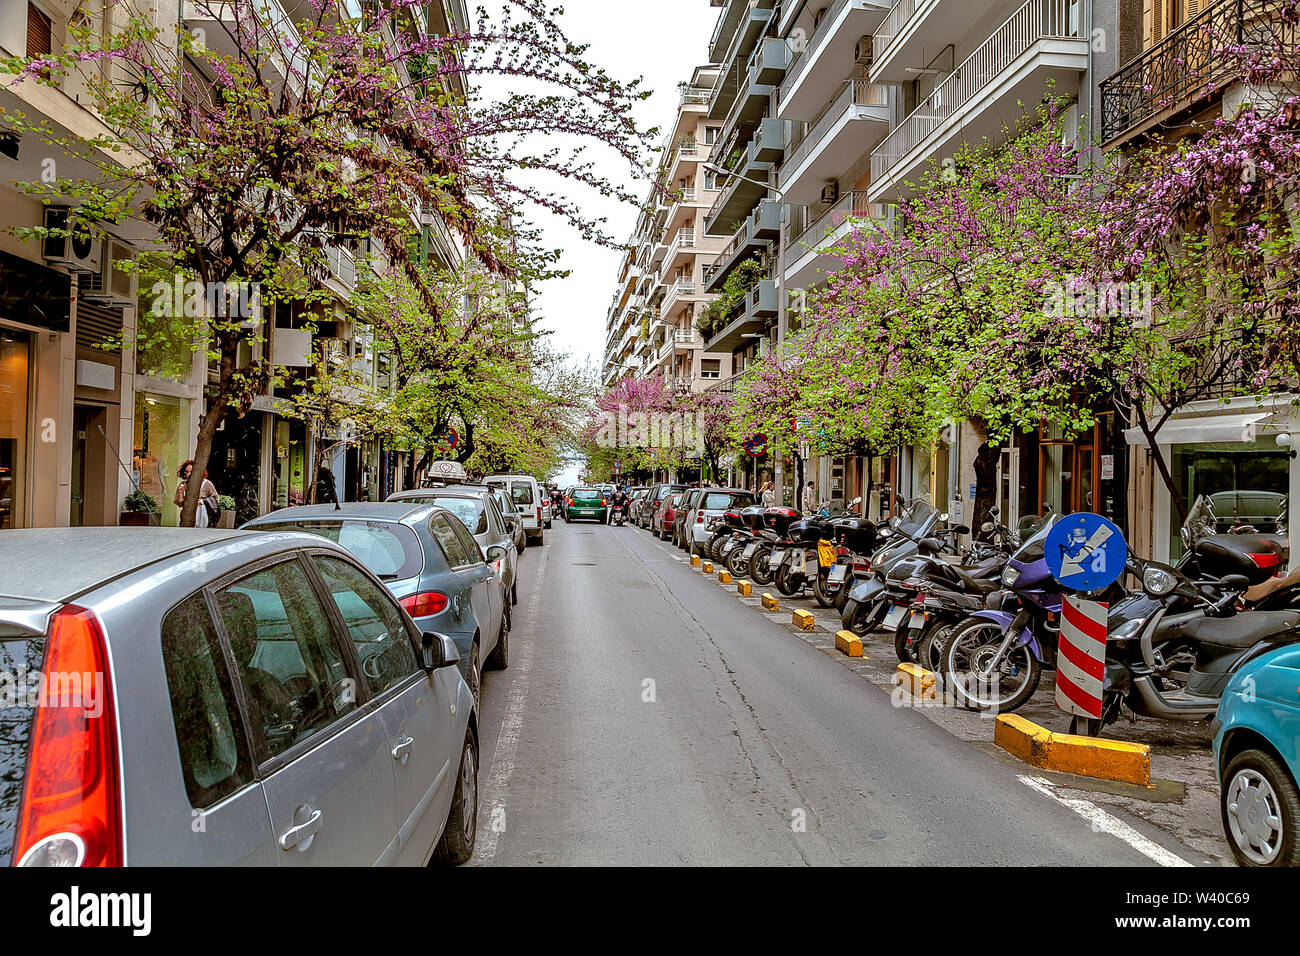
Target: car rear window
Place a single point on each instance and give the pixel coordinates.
(390, 550)
(17, 657)
(721, 501)
(471, 512)
(521, 492)
(586, 494)
(667, 490)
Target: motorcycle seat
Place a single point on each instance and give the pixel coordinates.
(978, 585)
(1240, 630)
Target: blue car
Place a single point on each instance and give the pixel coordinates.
(429, 561)
(1257, 758)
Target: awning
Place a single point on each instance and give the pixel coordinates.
(1203, 429)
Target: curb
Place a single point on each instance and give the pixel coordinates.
(770, 603)
(1098, 757)
(846, 642)
(916, 680)
(743, 588)
(803, 620)
(724, 577)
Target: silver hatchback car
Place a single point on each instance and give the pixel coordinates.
(206, 697)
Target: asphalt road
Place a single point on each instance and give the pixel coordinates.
(648, 717)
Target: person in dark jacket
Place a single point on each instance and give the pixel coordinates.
(325, 491)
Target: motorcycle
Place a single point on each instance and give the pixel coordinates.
(810, 540)
(867, 605)
(765, 559)
(745, 540)
(616, 515)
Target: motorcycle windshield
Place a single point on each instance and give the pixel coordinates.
(918, 519)
(1034, 546)
(1200, 522)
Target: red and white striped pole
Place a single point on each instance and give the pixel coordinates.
(1081, 657)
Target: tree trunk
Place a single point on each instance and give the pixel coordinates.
(202, 452)
(986, 478)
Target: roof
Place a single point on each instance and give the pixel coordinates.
(378, 510)
(87, 557)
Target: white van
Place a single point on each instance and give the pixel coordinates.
(526, 495)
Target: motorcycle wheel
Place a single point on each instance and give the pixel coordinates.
(965, 663)
(842, 595)
(930, 654)
(906, 648)
(855, 617)
(819, 592)
(736, 562)
(759, 567)
(784, 582)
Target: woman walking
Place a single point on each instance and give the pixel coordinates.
(208, 511)
(767, 494)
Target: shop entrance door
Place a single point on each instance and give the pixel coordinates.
(1066, 477)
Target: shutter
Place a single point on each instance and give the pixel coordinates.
(38, 32)
(96, 326)
(1192, 7)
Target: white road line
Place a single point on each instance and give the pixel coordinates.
(491, 825)
(1104, 822)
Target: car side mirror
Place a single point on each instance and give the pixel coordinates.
(495, 553)
(437, 650)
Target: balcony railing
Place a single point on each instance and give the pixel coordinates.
(892, 26)
(687, 339)
(1035, 20)
(695, 96)
(854, 205)
(814, 44)
(858, 92)
(1194, 59)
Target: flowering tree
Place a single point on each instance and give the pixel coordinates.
(260, 149)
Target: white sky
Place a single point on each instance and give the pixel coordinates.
(662, 41)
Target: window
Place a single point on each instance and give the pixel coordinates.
(288, 658)
(209, 729)
(521, 492)
(389, 549)
(374, 623)
(467, 542)
(722, 502)
(711, 135)
(471, 512)
(39, 32)
(710, 368)
(452, 547)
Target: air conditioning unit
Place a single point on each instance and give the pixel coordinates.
(111, 285)
(78, 253)
(862, 51)
(831, 191)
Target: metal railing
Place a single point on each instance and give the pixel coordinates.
(1035, 20)
(695, 96)
(892, 26)
(687, 339)
(857, 92)
(854, 205)
(812, 47)
(1193, 59)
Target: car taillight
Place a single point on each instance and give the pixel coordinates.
(699, 518)
(539, 514)
(425, 604)
(71, 805)
(602, 502)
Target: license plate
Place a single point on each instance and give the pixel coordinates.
(839, 573)
(894, 616)
(730, 546)
(586, 512)
(749, 551)
(777, 558)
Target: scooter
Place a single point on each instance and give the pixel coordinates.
(867, 605)
(616, 516)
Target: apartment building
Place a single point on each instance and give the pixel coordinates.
(82, 424)
(651, 327)
(1173, 80)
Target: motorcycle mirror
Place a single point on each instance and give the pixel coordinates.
(1234, 582)
(994, 512)
(944, 516)
(986, 527)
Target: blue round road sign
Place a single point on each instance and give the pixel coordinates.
(1086, 552)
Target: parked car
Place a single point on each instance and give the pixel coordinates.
(654, 499)
(662, 523)
(636, 501)
(707, 510)
(587, 503)
(1257, 758)
(478, 510)
(684, 505)
(265, 685)
(428, 560)
(526, 496)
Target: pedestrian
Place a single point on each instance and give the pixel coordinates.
(325, 491)
(810, 497)
(209, 510)
(767, 494)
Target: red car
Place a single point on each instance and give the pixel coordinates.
(665, 516)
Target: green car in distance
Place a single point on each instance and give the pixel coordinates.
(587, 503)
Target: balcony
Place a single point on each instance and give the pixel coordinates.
(808, 255)
(687, 340)
(1188, 65)
(737, 200)
(733, 74)
(282, 51)
(754, 236)
(854, 121)
(1044, 41)
(683, 242)
(748, 319)
(767, 145)
(915, 30)
(725, 29)
(679, 292)
(686, 153)
(827, 55)
(752, 96)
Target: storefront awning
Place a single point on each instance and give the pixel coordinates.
(1202, 429)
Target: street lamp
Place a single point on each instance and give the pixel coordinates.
(718, 170)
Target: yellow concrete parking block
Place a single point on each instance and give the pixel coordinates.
(743, 588)
(770, 603)
(707, 567)
(1072, 753)
(695, 560)
(803, 620)
(846, 642)
(724, 577)
(916, 680)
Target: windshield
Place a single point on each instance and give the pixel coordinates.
(1200, 521)
(1035, 541)
(917, 519)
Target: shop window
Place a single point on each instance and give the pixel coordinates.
(15, 360)
(162, 442)
(1247, 484)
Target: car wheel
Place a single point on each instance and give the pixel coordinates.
(514, 592)
(499, 659)
(457, 843)
(1261, 810)
(472, 675)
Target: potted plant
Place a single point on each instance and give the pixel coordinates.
(227, 505)
(138, 510)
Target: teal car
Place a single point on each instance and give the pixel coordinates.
(587, 504)
(1257, 758)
